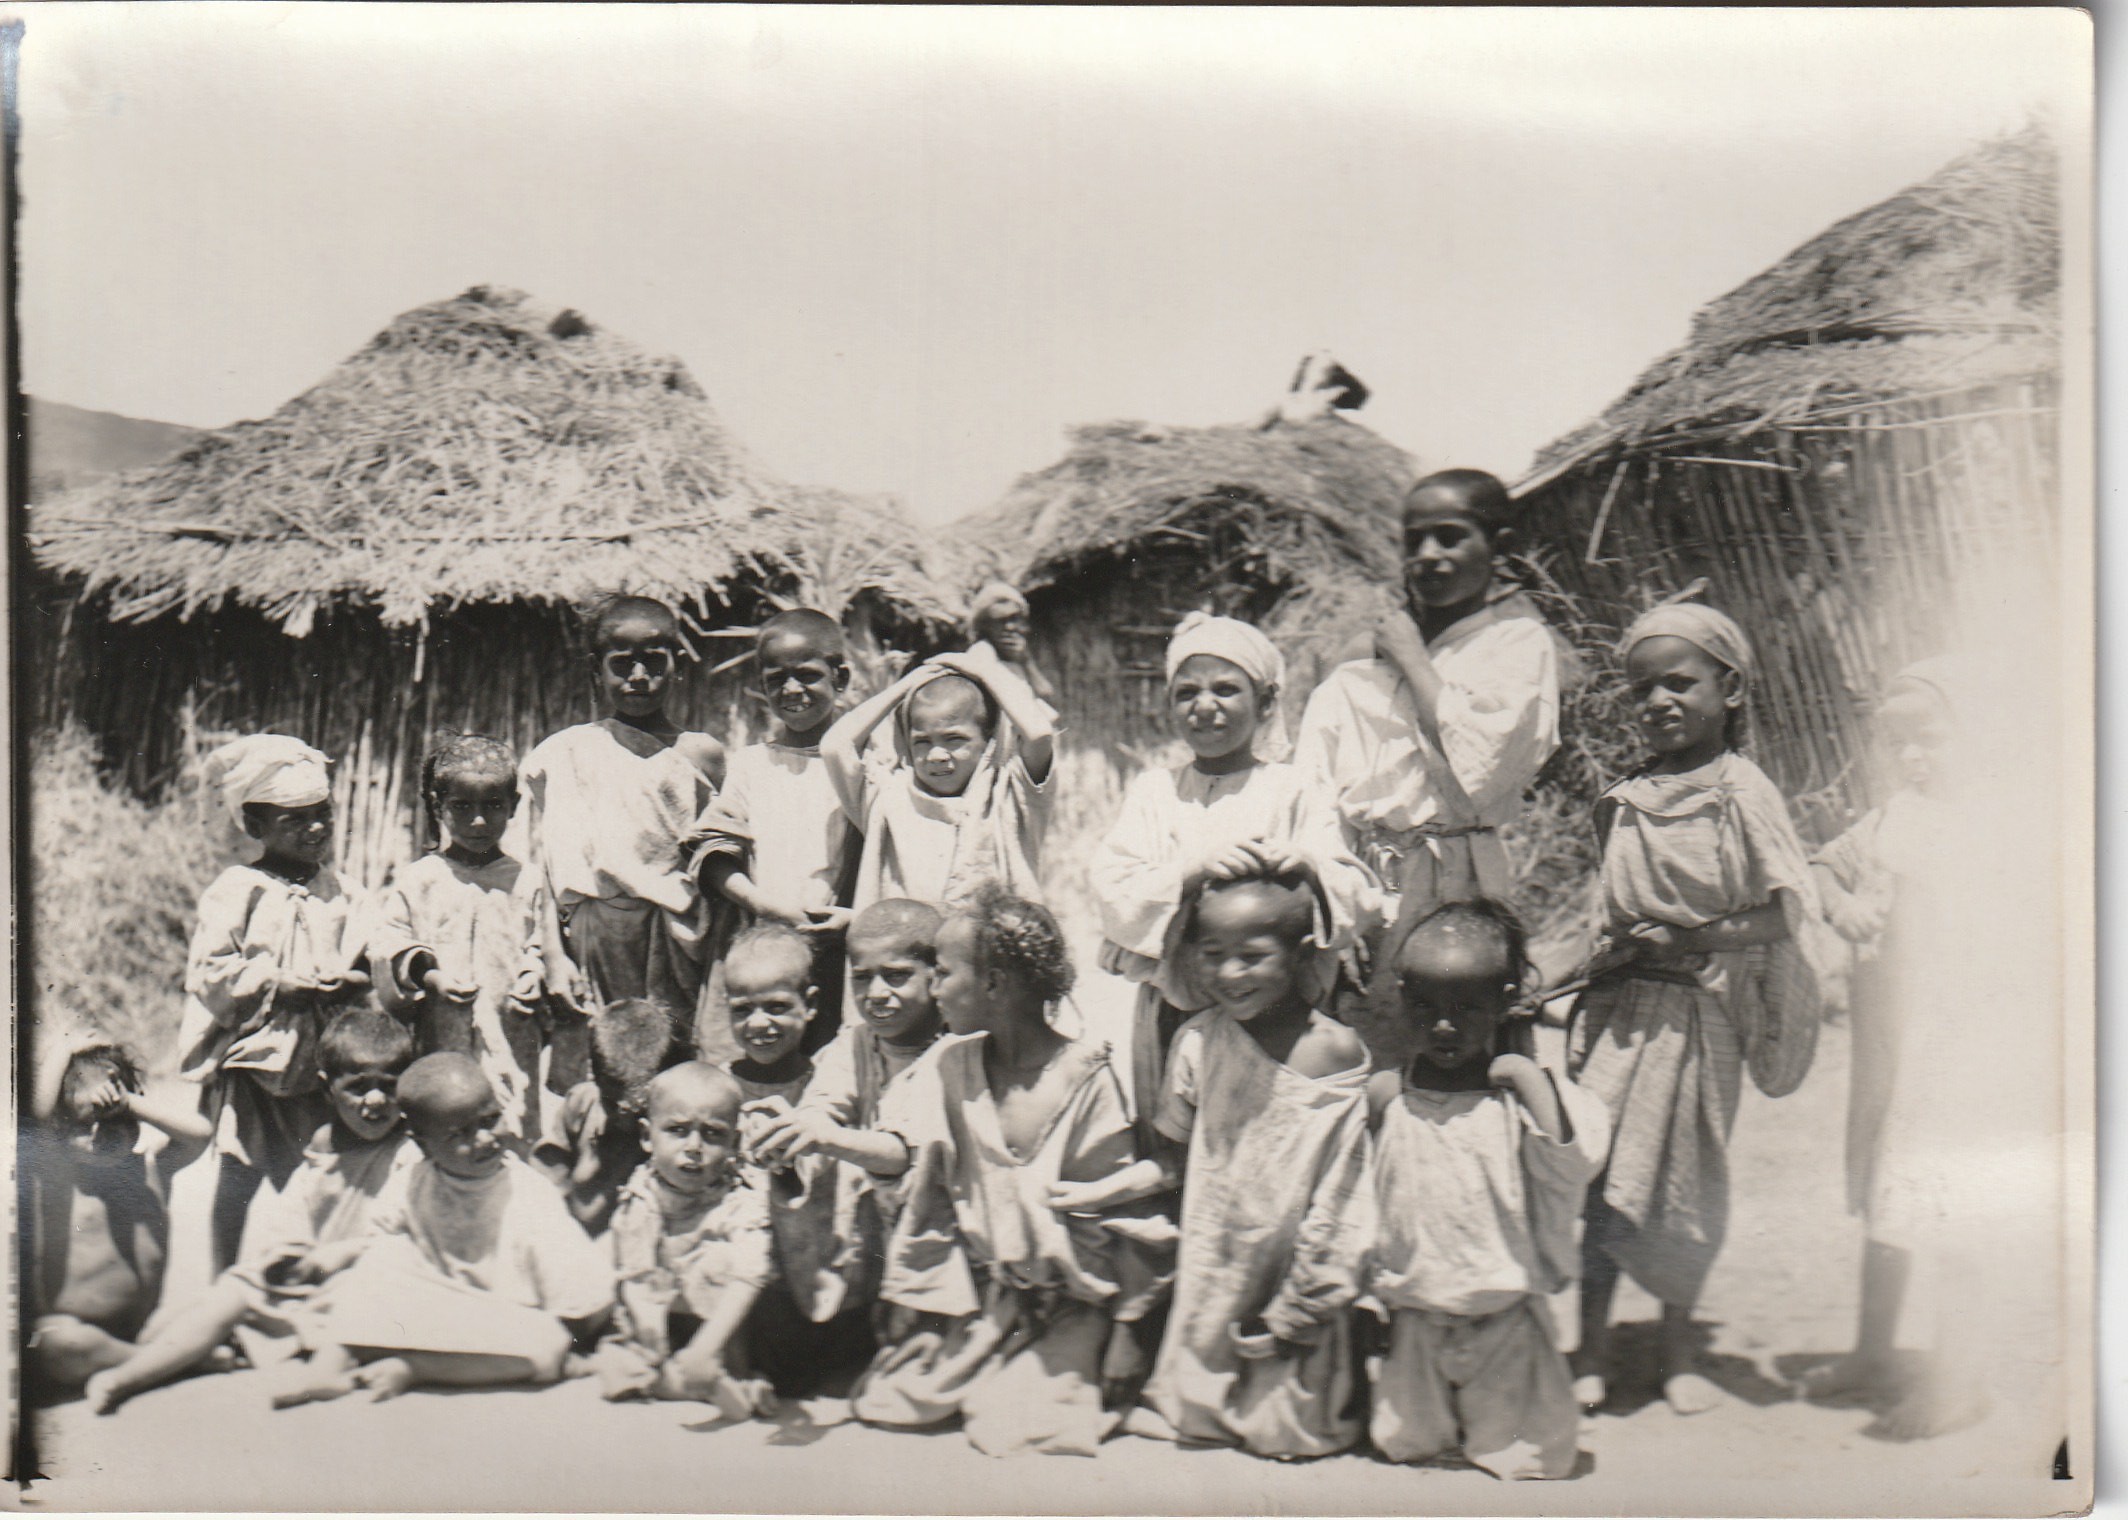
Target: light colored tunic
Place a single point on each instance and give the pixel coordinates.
(610, 808)
(1665, 1048)
(1276, 1216)
(482, 925)
(778, 816)
(831, 1223)
(946, 849)
(490, 1267)
(1015, 1300)
(253, 1047)
(1425, 818)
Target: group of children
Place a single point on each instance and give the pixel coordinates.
(760, 1075)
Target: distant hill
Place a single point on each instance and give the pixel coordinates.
(71, 445)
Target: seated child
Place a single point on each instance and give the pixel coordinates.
(768, 987)
(477, 1276)
(1268, 1094)
(1428, 740)
(953, 813)
(612, 803)
(98, 1229)
(691, 1241)
(590, 1141)
(1481, 1162)
(831, 1168)
(775, 843)
(276, 952)
(300, 1236)
(1004, 1308)
(455, 944)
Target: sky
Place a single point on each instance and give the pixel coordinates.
(903, 249)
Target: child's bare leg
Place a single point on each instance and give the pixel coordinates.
(1591, 1361)
(1869, 1368)
(235, 1185)
(391, 1375)
(184, 1343)
(1683, 1386)
(65, 1352)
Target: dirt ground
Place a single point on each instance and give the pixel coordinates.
(1782, 1297)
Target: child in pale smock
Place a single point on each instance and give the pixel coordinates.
(775, 844)
(1232, 808)
(1003, 1306)
(277, 951)
(611, 805)
(956, 809)
(1715, 917)
(300, 1237)
(1429, 746)
(455, 947)
(1482, 1159)
(1268, 1096)
(476, 1275)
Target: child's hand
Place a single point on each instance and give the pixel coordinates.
(346, 979)
(1275, 859)
(1254, 1342)
(1226, 864)
(447, 989)
(824, 922)
(109, 1098)
(979, 664)
(1078, 1197)
(786, 1133)
(1651, 935)
(1397, 639)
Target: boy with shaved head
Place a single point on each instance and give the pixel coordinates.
(775, 844)
(610, 804)
(477, 1275)
(957, 808)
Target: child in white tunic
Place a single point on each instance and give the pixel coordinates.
(611, 805)
(957, 810)
(1429, 746)
(1481, 1162)
(1268, 1096)
(1003, 1306)
(1231, 808)
(776, 845)
(456, 944)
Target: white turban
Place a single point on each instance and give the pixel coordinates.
(1714, 634)
(1242, 645)
(268, 768)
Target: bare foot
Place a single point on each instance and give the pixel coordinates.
(103, 1392)
(1590, 1390)
(305, 1385)
(1933, 1406)
(1854, 1376)
(386, 1379)
(1689, 1393)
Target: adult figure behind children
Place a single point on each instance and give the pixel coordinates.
(1429, 741)
(998, 616)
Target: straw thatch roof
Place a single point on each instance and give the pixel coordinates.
(486, 448)
(1338, 484)
(1949, 283)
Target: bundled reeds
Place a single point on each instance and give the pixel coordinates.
(1839, 444)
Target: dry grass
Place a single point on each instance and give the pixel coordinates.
(114, 885)
(486, 448)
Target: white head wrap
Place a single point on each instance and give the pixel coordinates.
(1248, 649)
(1715, 634)
(269, 768)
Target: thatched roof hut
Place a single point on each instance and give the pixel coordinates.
(1830, 447)
(1293, 525)
(404, 549)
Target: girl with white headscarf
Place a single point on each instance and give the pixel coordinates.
(1226, 811)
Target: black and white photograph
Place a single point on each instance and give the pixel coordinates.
(990, 760)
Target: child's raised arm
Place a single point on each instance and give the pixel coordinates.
(791, 1133)
(1025, 711)
(842, 746)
